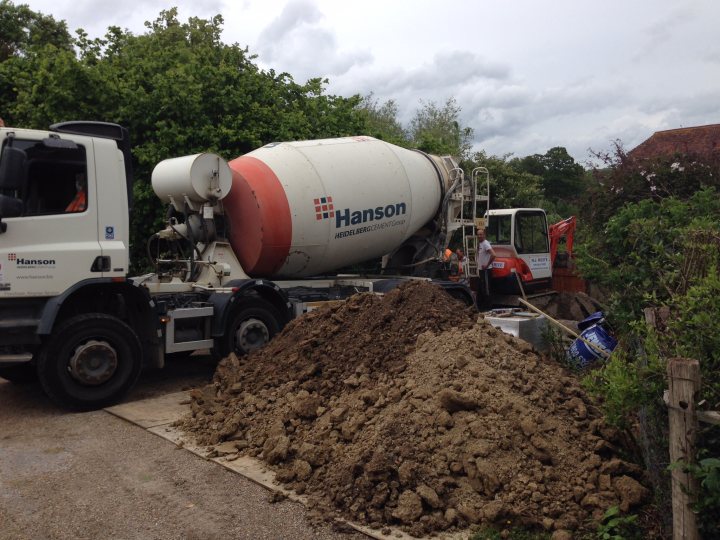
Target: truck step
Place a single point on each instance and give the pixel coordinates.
(19, 323)
(15, 358)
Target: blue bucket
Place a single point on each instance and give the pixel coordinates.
(581, 355)
(596, 318)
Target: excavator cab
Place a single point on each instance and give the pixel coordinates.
(520, 239)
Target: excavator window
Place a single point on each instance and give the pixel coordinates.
(531, 232)
(499, 230)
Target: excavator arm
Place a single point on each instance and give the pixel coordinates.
(565, 228)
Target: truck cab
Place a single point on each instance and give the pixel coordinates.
(68, 313)
(55, 229)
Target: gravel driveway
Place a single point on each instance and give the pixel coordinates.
(92, 475)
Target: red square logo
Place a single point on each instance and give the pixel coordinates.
(318, 216)
(317, 201)
(12, 257)
(329, 199)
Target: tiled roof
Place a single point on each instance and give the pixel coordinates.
(702, 141)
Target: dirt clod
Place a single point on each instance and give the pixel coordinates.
(406, 410)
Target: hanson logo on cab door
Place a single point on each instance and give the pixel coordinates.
(21, 262)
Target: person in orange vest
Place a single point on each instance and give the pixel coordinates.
(79, 202)
(450, 259)
(461, 262)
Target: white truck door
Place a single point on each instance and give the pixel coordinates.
(53, 243)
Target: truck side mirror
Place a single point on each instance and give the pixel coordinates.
(9, 207)
(12, 169)
(12, 179)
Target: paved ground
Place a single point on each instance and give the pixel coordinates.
(92, 475)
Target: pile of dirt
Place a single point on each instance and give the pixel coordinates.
(406, 411)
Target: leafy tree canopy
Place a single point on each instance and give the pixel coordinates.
(562, 178)
(21, 29)
(381, 120)
(510, 187)
(437, 130)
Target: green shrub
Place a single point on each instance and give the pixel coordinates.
(694, 332)
(623, 384)
(615, 526)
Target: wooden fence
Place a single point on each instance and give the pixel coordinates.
(681, 399)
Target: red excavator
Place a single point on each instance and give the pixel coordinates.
(527, 258)
(527, 252)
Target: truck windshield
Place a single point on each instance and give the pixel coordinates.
(53, 179)
(531, 232)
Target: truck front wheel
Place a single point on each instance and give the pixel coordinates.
(251, 324)
(90, 361)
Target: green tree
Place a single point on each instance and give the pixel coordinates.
(22, 29)
(509, 186)
(562, 178)
(437, 130)
(25, 34)
(382, 120)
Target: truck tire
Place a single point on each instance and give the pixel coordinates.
(90, 361)
(21, 374)
(251, 324)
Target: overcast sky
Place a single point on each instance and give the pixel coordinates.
(528, 74)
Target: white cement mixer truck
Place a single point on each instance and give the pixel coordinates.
(248, 245)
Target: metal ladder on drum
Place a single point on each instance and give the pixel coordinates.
(463, 213)
(473, 195)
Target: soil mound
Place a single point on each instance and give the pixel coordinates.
(405, 411)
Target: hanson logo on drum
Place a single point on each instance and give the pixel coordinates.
(325, 209)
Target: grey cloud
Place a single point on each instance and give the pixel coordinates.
(663, 31)
(680, 108)
(509, 109)
(96, 15)
(447, 70)
(296, 42)
(295, 14)
(712, 57)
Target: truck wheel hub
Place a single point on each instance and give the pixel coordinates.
(93, 363)
(252, 334)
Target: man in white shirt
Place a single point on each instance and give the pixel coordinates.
(485, 258)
